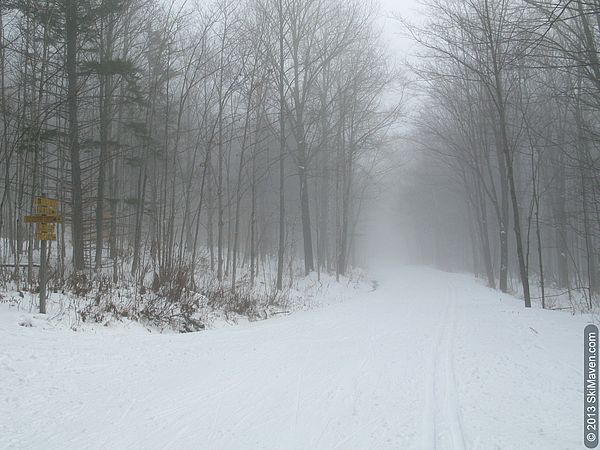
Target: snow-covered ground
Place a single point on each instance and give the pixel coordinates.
(427, 360)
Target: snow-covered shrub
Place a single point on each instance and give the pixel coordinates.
(79, 284)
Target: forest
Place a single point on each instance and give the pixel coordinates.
(217, 147)
(235, 140)
(507, 180)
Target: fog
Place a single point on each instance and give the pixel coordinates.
(378, 223)
(295, 137)
(496, 148)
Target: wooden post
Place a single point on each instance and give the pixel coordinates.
(43, 276)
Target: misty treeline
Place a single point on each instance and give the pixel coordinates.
(212, 135)
(510, 124)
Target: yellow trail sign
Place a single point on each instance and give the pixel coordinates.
(45, 232)
(43, 201)
(45, 228)
(43, 219)
(45, 236)
(47, 211)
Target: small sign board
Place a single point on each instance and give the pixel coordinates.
(43, 219)
(44, 201)
(45, 237)
(47, 211)
(45, 232)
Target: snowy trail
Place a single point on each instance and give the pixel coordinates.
(447, 426)
(427, 361)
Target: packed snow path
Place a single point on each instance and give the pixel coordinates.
(427, 361)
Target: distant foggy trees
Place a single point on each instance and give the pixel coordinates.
(214, 137)
(510, 123)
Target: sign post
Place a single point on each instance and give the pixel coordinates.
(43, 277)
(46, 218)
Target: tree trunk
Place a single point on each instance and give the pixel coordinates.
(71, 27)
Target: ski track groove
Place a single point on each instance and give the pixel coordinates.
(444, 408)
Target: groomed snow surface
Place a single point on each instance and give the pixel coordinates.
(427, 360)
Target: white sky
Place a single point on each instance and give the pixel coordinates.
(406, 8)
